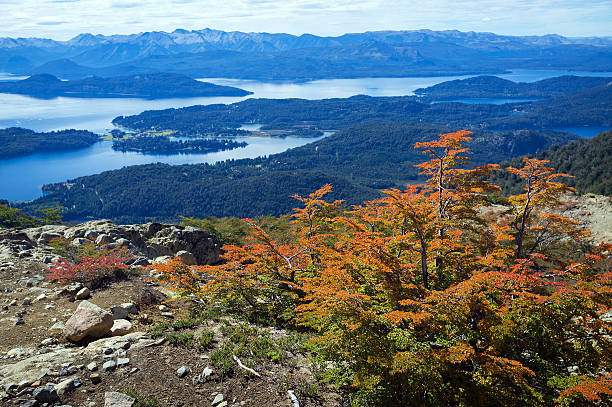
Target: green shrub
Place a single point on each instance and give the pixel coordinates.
(222, 358)
(206, 339)
(142, 400)
(184, 339)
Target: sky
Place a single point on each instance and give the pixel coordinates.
(63, 19)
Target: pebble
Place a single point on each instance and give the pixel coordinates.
(115, 399)
(83, 294)
(207, 372)
(19, 321)
(11, 387)
(95, 378)
(92, 367)
(65, 387)
(123, 362)
(27, 403)
(25, 383)
(183, 371)
(218, 399)
(47, 342)
(167, 314)
(197, 379)
(109, 366)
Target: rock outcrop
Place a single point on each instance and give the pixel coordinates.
(145, 242)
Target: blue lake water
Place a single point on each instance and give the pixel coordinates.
(585, 132)
(21, 178)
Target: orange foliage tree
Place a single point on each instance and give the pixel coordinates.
(424, 298)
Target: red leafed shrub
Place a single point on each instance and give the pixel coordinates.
(89, 270)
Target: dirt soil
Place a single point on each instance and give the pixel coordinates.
(152, 368)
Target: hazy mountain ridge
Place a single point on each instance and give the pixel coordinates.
(283, 56)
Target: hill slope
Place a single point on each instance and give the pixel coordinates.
(358, 161)
(587, 160)
(494, 87)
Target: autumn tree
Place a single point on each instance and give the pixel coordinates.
(423, 297)
(541, 193)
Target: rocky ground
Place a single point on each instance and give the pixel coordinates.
(594, 212)
(125, 344)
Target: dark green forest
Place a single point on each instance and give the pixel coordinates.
(586, 160)
(16, 141)
(494, 87)
(586, 107)
(155, 85)
(164, 145)
(358, 161)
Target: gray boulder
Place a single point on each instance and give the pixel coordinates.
(121, 327)
(88, 320)
(46, 394)
(187, 257)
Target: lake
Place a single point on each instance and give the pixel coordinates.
(22, 177)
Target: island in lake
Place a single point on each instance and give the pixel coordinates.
(164, 145)
(150, 86)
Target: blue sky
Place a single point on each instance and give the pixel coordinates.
(63, 19)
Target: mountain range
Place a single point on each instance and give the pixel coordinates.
(213, 53)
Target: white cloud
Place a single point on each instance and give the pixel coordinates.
(63, 19)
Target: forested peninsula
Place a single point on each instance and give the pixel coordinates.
(17, 141)
(586, 107)
(495, 87)
(165, 145)
(150, 86)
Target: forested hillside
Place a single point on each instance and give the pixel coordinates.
(157, 85)
(494, 87)
(587, 107)
(587, 161)
(358, 161)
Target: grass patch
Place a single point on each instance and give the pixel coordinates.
(158, 330)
